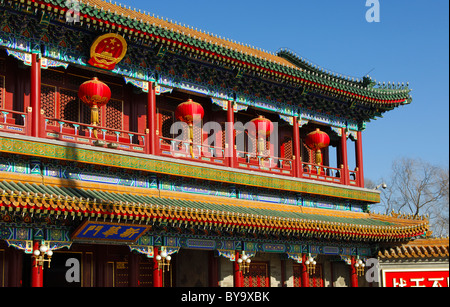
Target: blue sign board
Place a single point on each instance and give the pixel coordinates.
(91, 230)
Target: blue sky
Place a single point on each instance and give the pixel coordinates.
(409, 44)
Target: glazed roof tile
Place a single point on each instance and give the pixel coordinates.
(176, 207)
(284, 64)
(425, 248)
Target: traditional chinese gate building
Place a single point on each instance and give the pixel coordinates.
(94, 170)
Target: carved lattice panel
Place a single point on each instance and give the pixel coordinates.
(165, 121)
(258, 275)
(316, 279)
(69, 105)
(114, 111)
(2, 92)
(287, 147)
(307, 154)
(48, 101)
(297, 275)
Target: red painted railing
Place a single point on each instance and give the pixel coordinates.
(14, 121)
(75, 132)
(85, 134)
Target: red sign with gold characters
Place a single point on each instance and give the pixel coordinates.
(108, 50)
(416, 278)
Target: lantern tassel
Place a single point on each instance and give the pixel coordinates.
(191, 137)
(319, 160)
(94, 119)
(260, 146)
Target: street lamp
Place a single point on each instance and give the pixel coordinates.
(359, 265)
(40, 255)
(244, 263)
(163, 260)
(383, 185)
(311, 265)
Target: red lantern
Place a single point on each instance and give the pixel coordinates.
(263, 128)
(317, 140)
(187, 112)
(95, 94)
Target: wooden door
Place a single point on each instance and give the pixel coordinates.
(258, 275)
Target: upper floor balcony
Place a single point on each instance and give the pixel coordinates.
(44, 103)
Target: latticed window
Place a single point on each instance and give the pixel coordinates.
(286, 148)
(307, 154)
(165, 120)
(315, 280)
(114, 111)
(59, 100)
(48, 101)
(258, 275)
(69, 105)
(2, 92)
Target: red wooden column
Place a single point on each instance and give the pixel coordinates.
(353, 274)
(359, 159)
(213, 276)
(37, 274)
(345, 174)
(238, 277)
(35, 95)
(157, 272)
(305, 274)
(298, 169)
(229, 133)
(151, 119)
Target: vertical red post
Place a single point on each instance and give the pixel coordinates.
(238, 277)
(213, 270)
(151, 119)
(37, 275)
(345, 173)
(298, 159)
(305, 274)
(157, 272)
(229, 133)
(359, 159)
(353, 274)
(35, 94)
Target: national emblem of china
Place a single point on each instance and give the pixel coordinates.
(108, 50)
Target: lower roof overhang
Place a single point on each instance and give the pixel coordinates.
(178, 210)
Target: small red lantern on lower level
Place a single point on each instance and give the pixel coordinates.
(95, 94)
(316, 141)
(263, 128)
(189, 112)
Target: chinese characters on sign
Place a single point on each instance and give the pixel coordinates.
(109, 231)
(415, 278)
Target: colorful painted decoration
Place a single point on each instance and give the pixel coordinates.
(263, 128)
(108, 50)
(95, 94)
(316, 141)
